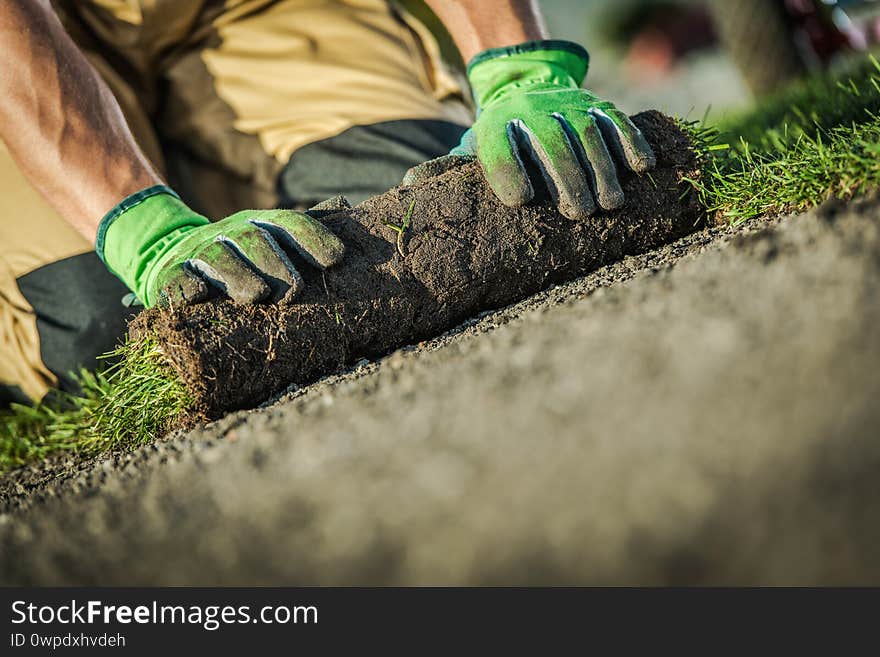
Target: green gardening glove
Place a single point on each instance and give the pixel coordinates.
(530, 107)
(166, 253)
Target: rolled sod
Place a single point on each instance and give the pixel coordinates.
(419, 261)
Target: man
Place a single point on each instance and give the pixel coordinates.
(106, 105)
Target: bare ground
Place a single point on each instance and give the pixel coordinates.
(704, 414)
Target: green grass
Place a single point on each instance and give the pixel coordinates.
(815, 141)
(131, 403)
(818, 140)
(815, 105)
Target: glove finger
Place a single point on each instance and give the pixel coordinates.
(220, 265)
(306, 236)
(433, 168)
(498, 151)
(256, 246)
(597, 161)
(552, 145)
(183, 287)
(625, 140)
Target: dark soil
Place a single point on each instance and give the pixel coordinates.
(462, 253)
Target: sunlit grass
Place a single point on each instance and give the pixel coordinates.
(131, 403)
(818, 140)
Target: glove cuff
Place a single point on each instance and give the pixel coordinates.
(135, 235)
(533, 46)
(548, 64)
(123, 206)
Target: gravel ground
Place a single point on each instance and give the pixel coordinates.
(705, 414)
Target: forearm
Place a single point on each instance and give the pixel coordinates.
(477, 25)
(61, 122)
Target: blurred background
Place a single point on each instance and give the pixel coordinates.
(687, 57)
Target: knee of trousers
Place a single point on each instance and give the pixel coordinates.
(69, 313)
(363, 161)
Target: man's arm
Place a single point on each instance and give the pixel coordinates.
(68, 136)
(477, 25)
(61, 122)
